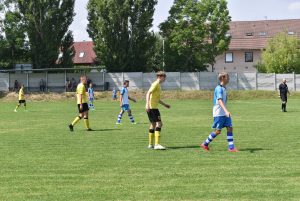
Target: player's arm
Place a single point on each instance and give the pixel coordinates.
(121, 99)
(164, 104)
(148, 95)
(132, 99)
(221, 103)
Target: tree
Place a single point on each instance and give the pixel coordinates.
(67, 51)
(46, 23)
(195, 33)
(282, 55)
(120, 31)
(16, 48)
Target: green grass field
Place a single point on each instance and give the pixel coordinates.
(41, 160)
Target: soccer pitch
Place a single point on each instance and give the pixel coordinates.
(42, 160)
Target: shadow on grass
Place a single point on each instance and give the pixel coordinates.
(252, 150)
(105, 129)
(184, 147)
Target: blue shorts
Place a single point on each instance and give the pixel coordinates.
(91, 99)
(221, 122)
(125, 107)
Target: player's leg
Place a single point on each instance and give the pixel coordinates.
(86, 120)
(120, 116)
(25, 105)
(130, 116)
(17, 106)
(158, 127)
(217, 125)
(77, 119)
(151, 135)
(230, 141)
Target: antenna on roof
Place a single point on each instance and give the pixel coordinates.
(266, 17)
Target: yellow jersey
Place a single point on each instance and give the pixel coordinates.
(81, 91)
(155, 90)
(21, 94)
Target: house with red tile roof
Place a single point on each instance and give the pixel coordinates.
(248, 40)
(84, 53)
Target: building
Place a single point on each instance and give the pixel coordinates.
(84, 53)
(248, 40)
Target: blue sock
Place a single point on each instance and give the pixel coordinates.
(230, 140)
(119, 118)
(210, 139)
(131, 119)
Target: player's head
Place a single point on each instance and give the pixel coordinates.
(126, 83)
(83, 79)
(161, 76)
(91, 85)
(284, 80)
(223, 78)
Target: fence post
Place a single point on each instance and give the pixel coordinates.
(65, 80)
(275, 81)
(46, 80)
(294, 80)
(180, 81)
(199, 83)
(103, 77)
(27, 77)
(122, 78)
(142, 85)
(8, 81)
(237, 81)
(256, 85)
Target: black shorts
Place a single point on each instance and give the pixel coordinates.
(22, 101)
(154, 115)
(85, 107)
(283, 97)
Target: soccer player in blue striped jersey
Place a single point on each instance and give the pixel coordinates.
(124, 103)
(91, 96)
(222, 117)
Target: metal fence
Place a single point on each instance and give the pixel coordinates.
(56, 81)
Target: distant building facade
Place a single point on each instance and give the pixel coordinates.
(248, 40)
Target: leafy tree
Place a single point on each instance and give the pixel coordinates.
(120, 31)
(67, 51)
(46, 23)
(195, 33)
(16, 48)
(282, 54)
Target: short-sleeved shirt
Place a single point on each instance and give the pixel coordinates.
(91, 92)
(220, 93)
(155, 90)
(124, 93)
(81, 90)
(21, 94)
(283, 88)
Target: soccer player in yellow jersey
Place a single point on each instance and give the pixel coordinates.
(21, 98)
(83, 107)
(152, 100)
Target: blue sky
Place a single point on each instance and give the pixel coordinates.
(239, 10)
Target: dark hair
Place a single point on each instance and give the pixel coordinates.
(126, 81)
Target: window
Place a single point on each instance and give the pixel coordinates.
(81, 54)
(248, 56)
(291, 33)
(262, 33)
(228, 34)
(249, 34)
(229, 57)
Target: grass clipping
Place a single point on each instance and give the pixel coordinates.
(140, 95)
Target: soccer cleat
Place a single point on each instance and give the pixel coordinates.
(233, 150)
(204, 147)
(133, 123)
(159, 147)
(71, 127)
(15, 110)
(89, 129)
(150, 146)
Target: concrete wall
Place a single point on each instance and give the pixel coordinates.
(175, 80)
